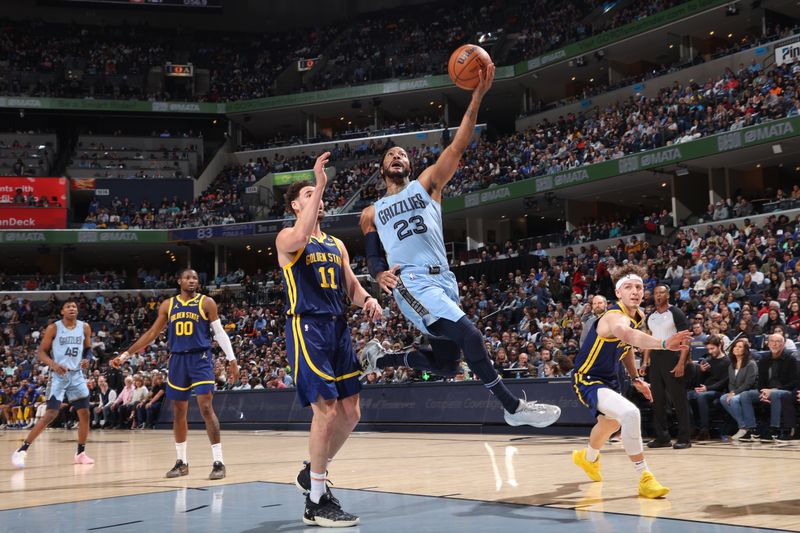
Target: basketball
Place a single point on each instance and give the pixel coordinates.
(465, 63)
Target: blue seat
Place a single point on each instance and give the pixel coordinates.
(758, 342)
(698, 352)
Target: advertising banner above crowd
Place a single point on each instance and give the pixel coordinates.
(82, 236)
(33, 218)
(17, 190)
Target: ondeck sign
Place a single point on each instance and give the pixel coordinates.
(33, 218)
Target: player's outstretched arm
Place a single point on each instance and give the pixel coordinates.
(44, 350)
(357, 294)
(221, 336)
(617, 325)
(435, 177)
(147, 337)
(292, 239)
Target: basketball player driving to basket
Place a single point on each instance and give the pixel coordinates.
(407, 222)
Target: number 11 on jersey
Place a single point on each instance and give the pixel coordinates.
(325, 284)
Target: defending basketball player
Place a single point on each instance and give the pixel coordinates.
(608, 342)
(68, 341)
(191, 318)
(407, 221)
(317, 274)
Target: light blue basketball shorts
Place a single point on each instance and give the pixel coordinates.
(71, 386)
(424, 298)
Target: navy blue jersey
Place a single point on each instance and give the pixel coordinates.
(599, 356)
(189, 329)
(315, 279)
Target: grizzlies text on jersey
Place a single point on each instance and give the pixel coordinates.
(597, 362)
(409, 224)
(314, 279)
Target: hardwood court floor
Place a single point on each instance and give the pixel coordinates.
(747, 485)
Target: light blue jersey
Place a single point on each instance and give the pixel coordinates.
(67, 347)
(410, 228)
(67, 351)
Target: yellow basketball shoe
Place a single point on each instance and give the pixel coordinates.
(649, 487)
(592, 469)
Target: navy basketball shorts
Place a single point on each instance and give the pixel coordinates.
(586, 387)
(187, 372)
(321, 352)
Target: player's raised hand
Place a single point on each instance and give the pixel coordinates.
(486, 77)
(373, 309)
(679, 340)
(387, 280)
(319, 169)
(644, 388)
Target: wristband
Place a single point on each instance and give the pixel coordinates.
(124, 355)
(664, 345)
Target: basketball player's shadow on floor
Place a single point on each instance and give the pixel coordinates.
(288, 525)
(566, 494)
(780, 507)
(519, 512)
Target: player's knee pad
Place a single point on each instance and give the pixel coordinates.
(631, 421)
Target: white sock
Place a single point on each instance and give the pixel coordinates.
(180, 447)
(216, 452)
(641, 466)
(317, 486)
(591, 453)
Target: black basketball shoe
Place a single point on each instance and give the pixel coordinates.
(180, 469)
(303, 482)
(326, 513)
(217, 471)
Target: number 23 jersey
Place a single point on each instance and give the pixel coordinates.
(410, 227)
(315, 280)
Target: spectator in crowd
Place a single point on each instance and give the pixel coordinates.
(106, 398)
(710, 382)
(742, 380)
(777, 379)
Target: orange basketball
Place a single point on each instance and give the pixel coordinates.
(465, 63)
